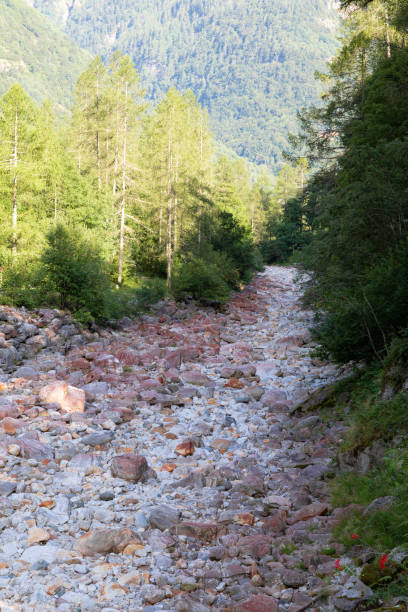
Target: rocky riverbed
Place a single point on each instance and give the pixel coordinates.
(163, 466)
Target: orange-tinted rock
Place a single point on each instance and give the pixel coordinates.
(67, 397)
(221, 445)
(54, 393)
(47, 503)
(104, 541)
(37, 535)
(10, 425)
(74, 400)
(168, 467)
(185, 449)
(246, 518)
(235, 383)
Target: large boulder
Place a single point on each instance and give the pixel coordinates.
(129, 467)
(68, 398)
(104, 541)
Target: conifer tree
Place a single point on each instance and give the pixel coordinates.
(20, 149)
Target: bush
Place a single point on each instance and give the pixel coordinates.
(200, 279)
(361, 319)
(24, 283)
(77, 272)
(234, 240)
(150, 291)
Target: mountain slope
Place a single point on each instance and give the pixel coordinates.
(250, 62)
(37, 55)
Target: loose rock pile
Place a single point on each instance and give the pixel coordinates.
(163, 467)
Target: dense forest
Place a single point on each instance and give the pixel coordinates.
(250, 64)
(35, 54)
(348, 229)
(120, 193)
(352, 213)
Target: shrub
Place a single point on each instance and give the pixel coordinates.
(23, 283)
(77, 272)
(200, 279)
(228, 236)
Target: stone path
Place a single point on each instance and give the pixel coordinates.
(162, 467)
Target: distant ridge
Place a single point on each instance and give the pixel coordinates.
(34, 53)
(250, 62)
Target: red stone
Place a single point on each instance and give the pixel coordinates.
(257, 603)
(255, 546)
(202, 531)
(8, 411)
(128, 357)
(308, 512)
(275, 523)
(129, 467)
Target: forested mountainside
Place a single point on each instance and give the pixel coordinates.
(37, 55)
(251, 64)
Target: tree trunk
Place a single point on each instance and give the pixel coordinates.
(387, 33)
(55, 203)
(98, 159)
(169, 250)
(161, 219)
(15, 184)
(107, 164)
(176, 225)
(116, 162)
(123, 199)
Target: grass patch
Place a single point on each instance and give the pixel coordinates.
(382, 530)
(371, 418)
(375, 420)
(287, 549)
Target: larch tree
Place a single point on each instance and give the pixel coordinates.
(20, 149)
(125, 100)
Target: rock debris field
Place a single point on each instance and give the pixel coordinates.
(162, 466)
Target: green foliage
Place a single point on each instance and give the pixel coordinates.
(250, 64)
(37, 55)
(130, 301)
(120, 193)
(379, 420)
(382, 529)
(23, 283)
(358, 252)
(386, 528)
(200, 280)
(76, 271)
(150, 291)
(228, 236)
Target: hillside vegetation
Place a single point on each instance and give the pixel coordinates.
(37, 55)
(251, 64)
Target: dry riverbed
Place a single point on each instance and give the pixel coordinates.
(162, 466)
